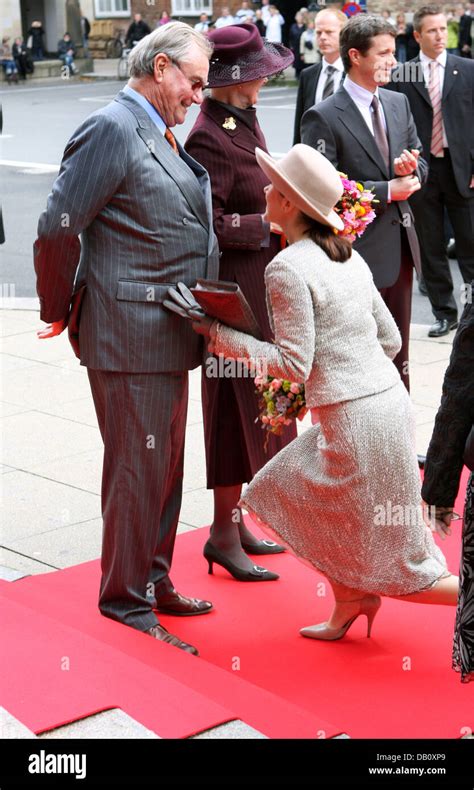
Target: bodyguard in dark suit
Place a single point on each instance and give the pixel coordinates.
(440, 90)
(321, 80)
(143, 208)
(223, 140)
(369, 134)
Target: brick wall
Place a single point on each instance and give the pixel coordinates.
(397, 6)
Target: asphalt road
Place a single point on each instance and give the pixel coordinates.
(38, 121)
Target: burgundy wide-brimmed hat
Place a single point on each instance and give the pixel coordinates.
(242, 55)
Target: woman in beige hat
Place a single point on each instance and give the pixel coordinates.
(344, 495)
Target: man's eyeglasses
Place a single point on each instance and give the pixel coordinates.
(196, 83)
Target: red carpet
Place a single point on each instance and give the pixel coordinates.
(253, 665)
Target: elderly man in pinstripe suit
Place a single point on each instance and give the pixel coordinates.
(143, 208)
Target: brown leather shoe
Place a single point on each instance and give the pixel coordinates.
(160, 633)
(177, 604)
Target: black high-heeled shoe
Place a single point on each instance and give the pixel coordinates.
(257, 574)
(262, 547)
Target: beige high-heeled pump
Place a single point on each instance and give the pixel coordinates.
(369, 605)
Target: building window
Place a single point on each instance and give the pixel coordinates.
(191, 7)
(111, 8)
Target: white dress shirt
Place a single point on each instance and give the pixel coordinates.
(338, 75)
(363, 99)
(425, 62)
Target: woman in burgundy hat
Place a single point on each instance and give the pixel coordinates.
(223, 140)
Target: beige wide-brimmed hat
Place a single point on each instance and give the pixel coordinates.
(308, 179)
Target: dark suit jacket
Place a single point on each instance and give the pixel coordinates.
(307, 85)
(458, 112)
(337, 129)
(145, 219)
(444, 461)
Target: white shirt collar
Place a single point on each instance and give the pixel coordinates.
(338, 64)
(358, 93)
(441, 59)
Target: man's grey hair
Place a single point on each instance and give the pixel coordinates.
(174, 39)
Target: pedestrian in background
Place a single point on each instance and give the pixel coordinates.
(67, 52)
(225, 19)
(35, 40)
(308, 51)
(203, 25)
(259, 23)
(137, 30)
(244, 13)
(274, 25)
(8, 61)
(85, 30)
(466, 33)
(22, 58)
(452, 19)
(296, 31)
(164, 19)
(401, 40)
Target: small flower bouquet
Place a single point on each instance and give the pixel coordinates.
(355, 208)
(280, 402)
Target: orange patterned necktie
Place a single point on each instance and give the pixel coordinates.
(169, 136)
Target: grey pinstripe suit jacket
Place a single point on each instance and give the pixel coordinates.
(145, 219)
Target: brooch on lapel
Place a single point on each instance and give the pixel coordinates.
(455, 71)
(229, 123)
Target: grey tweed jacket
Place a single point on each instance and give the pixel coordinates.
(145, 220)
(332, 328)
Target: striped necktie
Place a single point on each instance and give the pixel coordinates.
(169, 137)
(434, 89)
(328, 89)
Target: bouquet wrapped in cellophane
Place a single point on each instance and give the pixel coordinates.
(280, 401)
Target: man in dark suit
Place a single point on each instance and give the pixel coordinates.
(143, 207)
(440, 90)
(321, 80)
(369, 134)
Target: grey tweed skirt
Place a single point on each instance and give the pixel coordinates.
(345, 497)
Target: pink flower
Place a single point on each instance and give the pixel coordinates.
(295, 388)
(275, 384)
